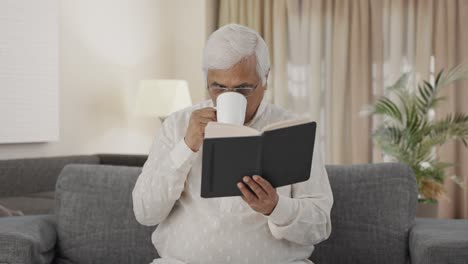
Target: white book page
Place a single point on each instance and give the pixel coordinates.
(286, 123)
(220, 130)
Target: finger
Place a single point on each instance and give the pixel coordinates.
(248, 195)
(198, 118)
(264, 184)
(245, 200)
(205, 120)
(209, 109)
(212, 117)
(256, 188)
(211, 113)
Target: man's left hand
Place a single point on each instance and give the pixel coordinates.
(261, 197)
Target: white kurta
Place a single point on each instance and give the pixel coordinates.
(196, 230)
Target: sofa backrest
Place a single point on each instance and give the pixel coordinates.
(95, 220)
(33, 175)
(134, 160)
(374, 208)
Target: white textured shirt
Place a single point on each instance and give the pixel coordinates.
(192, 229)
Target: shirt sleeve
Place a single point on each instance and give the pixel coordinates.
(304, 218)
(163, 176)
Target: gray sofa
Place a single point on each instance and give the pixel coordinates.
(372, 221)
(28, 184)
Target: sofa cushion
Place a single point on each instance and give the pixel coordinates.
(373, 210)
(27, 239)
(96, 223)
(439, 241)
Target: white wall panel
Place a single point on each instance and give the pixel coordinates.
(29, 48)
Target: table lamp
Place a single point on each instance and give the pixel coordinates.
(162, 97)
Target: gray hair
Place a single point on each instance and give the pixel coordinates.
(230, 44)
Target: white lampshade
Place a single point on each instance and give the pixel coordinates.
(162, 97)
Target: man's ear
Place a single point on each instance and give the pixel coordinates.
(266, 79)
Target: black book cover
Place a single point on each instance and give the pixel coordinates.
(282, 156)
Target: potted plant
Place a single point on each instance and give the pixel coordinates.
(409, 132)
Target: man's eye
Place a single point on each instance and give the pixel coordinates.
(244, 88)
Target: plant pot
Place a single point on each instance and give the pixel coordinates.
(427, 210)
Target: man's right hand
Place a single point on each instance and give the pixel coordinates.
(196, 128)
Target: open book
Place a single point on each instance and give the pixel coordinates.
(281, 153)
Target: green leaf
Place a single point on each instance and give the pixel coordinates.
(386, 107)
(407, 134)
(437, 79)
(453, 126)
(401, 83)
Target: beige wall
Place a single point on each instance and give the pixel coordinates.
(106, 47)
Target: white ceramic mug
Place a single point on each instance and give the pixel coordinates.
(230, 108)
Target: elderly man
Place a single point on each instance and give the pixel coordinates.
(264, 225)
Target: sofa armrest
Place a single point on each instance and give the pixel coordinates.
(438, 241)
(27, 239)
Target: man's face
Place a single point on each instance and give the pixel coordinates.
(243, 74)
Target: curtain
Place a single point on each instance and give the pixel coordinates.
(332, 57)
(268, 18)
(427, 36)
(450, 48)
